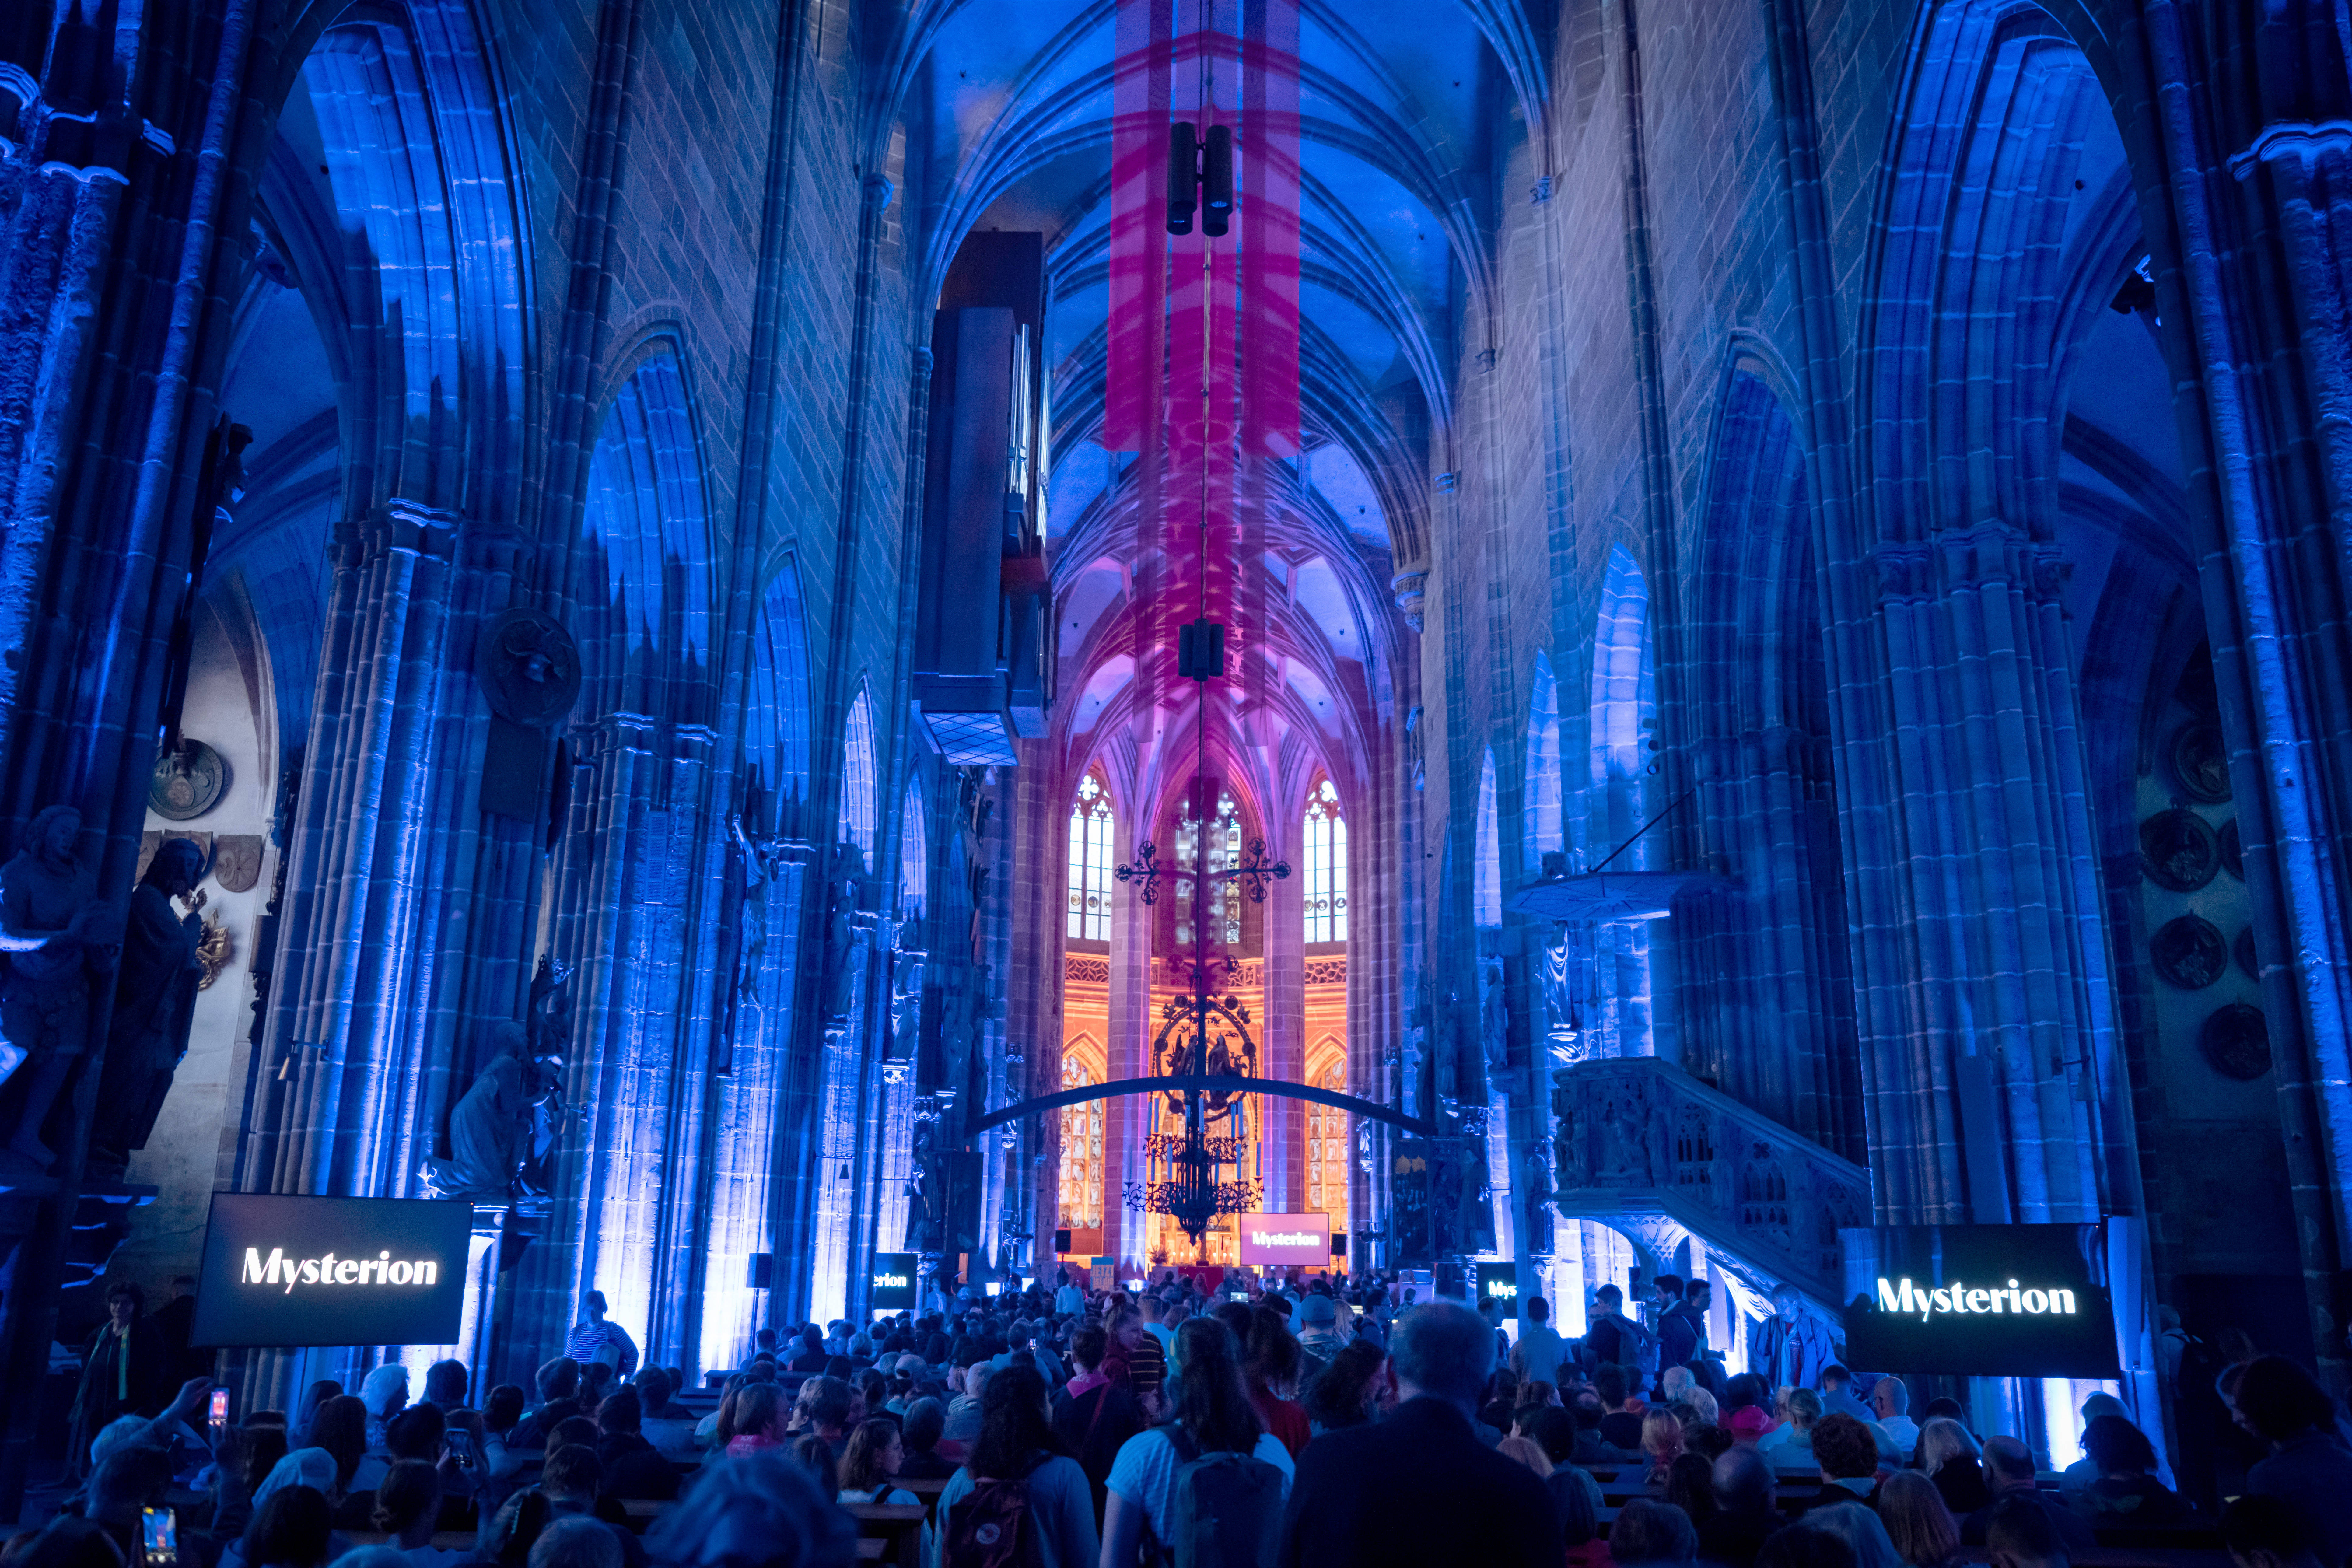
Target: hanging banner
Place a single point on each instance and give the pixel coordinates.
(281, 1271)
(1284, 1240)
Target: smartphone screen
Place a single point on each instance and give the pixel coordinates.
(462, 1445)
(159, 1534)
(220, 1407)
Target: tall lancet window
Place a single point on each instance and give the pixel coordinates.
(1202, 850)
(1328, 1143)
(1090, 826)
(1327, 865)
(1082, 1147)
(858, 778)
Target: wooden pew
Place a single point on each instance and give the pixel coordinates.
(897, 1527)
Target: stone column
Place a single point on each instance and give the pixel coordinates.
(2254, 112)
(1283, 1028)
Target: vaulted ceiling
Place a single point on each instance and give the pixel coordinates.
(1408, 112)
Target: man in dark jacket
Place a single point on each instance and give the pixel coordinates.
(1419, 1487)
(2008, 1470)
(634, 1468)
(1747, 1510)
(558, 1401)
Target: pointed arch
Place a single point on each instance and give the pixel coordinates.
(776, 725)
(641, 574)
(1487, 857)
(1324, 840)
(1539, 795)
(856, 825)
(1093, 826)
(914, 850)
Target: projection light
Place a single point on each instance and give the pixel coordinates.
(1199, 176)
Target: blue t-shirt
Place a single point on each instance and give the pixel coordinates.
(1145, 1474)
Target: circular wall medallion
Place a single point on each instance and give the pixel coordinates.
(2189, 953)
(187, 783)
(2243, 948)
(2179, 850)
(2200, 763)
(528, 667)
(2234, 851)
(2236, 1042)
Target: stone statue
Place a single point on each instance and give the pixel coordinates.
(907, 991)
(846, 940)
(51, 934)
(922, 1202)
(1560, 1012)
(1538, 1239)
(1494, 1021)
(154, 1003)
(490, 1127)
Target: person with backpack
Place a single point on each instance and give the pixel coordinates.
(1206, 1489)
(1094, 1417)
(1614, 1337)
(1019, 1501)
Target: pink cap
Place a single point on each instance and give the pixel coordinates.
(1748, 1424)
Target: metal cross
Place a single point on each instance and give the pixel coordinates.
(1145, 871)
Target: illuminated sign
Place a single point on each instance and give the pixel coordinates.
(1286, 1239)
(284, 1271)
(1984, 1301)
(892, 1281)
(1501, 1281)
(1908, 1298)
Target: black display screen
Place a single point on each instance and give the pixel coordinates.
(1984, 1301)
(894, 1282)
(1501, 1282)
(286, 1271)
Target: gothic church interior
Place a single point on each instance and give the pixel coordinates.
(1687, 628)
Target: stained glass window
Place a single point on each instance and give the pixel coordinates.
(1090, 825)
(1215, 847)
(1326, 1152)
(1082, 1150)
(1327, 866)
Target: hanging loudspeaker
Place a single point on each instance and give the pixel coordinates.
(1183, 176)
(1217, 179)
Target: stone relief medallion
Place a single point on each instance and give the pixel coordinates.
(2178, 850)
(528, 667)
(2243, 949)
(187, 783)
(2234, 852)
(2236, 1042)
(2189, 953)
(236, 861)
(2200, 763)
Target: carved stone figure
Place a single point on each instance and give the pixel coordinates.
(1560, 1013)
(922, 1202)
(846, 939)
(1494, 1021)
(1538, 1239)
(907, 991)
(490, 1127)
(51, 926)
(154, 1003)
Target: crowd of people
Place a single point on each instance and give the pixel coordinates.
(1311, 1422)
